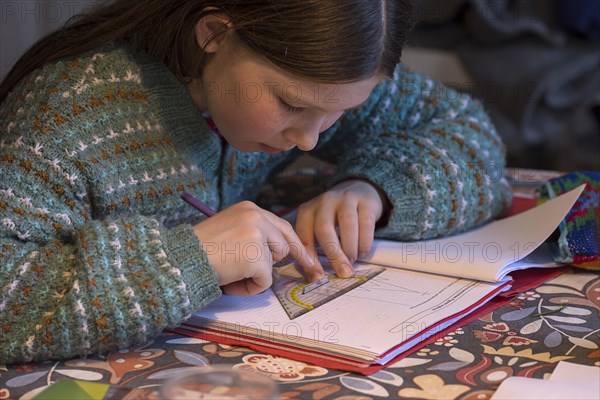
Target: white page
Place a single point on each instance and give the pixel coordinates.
(376, 316)
(576, 373)
(519, 388)
(484, 253)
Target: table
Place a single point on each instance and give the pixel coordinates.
(557, 321)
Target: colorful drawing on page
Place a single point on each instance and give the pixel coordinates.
(288, 285)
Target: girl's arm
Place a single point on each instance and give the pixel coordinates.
(71, 285)
(432, 151)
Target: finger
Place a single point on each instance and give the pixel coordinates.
(327, 237)
(277, 246)
(305, 232)
(297, 250)
(349, 229)
(244, 287)
(366, 222)
(237, 288)
(248, 286)
(259, 282)
(292, 246)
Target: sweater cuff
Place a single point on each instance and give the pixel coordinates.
(406, 214)
(185, 251)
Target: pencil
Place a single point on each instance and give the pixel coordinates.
(197, 204)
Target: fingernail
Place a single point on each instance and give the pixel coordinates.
(347, 271)
(351, 259)
(310, 259)
(362, 254)
(315, 276)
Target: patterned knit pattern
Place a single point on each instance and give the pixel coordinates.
(97, 249)
(579, 241)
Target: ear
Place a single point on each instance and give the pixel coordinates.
(211, 31)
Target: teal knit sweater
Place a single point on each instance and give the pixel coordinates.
(97, 249)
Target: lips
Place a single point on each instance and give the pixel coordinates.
(270, 150)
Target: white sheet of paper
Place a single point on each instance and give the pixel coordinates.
(576, 373)
(485, 253)
(519, 388)
(400, 303)
(568, 381)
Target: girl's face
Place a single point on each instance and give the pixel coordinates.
(259, 108)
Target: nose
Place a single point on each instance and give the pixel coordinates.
(306, 135)
(304, 138)
(306, 141)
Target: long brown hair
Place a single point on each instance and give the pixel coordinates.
(322, 40)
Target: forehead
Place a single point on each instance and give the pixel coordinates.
(302, 90)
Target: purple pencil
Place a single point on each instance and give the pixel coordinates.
(197, 204)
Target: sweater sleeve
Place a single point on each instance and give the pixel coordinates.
(76, 279)
(433, 151)
(72, 285)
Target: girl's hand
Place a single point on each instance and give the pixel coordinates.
(243, 241)
(354, 207)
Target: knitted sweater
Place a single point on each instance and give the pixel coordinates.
(97, 250)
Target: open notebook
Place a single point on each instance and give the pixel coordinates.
(423, 288)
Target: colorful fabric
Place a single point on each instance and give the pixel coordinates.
(579, 240)
(527, 337)
(97, 249)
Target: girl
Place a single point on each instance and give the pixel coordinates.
(105, 123)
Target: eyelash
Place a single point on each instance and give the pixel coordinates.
(289, 108)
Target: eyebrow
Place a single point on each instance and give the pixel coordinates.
(307, 104)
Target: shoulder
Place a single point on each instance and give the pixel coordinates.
(65, 109)
(407, 84)
(75, 73)
(81, 81)
(60, 96)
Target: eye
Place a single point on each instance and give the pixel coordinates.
(288, 107)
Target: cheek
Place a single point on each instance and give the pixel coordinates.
(246, 120)
(329, 121)
(259, 116)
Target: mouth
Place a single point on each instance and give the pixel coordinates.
(270, 150)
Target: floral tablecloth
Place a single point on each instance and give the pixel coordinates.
(528, 337)
(559, 320)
